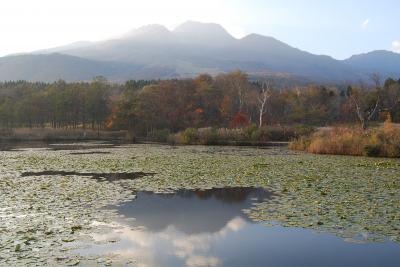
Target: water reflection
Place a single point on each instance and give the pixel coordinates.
(81, 146)
(208, 228)
(69, 145)
(113, 176)
(192, 211)
(20, 146)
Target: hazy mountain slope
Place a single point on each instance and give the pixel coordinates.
(381, 61)
(75, 45)
(155, 52)
(52, 67)
(195, 47)
(208, 34)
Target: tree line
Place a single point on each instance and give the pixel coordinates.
(226, 100)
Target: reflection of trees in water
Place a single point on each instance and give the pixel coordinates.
(17, 146)
(227, 195)
(114, 176)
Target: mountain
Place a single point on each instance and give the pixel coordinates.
(74, 45)
(51, 67)
(381, 61)
(209, 34)
(153, 51)
(195, 47)
(148, 34)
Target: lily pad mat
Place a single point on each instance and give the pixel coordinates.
(40, 215)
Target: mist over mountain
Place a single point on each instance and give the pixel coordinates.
(54, 66)
(192, 48)
(208, 34)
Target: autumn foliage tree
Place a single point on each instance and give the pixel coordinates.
(226, 100)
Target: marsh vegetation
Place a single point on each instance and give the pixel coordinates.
(58, 208)
(383, 141)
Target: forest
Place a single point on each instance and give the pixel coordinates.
(231, 100)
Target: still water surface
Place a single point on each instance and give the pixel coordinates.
(209, 228)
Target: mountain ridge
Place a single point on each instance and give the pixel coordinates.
(193, 48)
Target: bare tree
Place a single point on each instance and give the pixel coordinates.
(239, 83)
(364, 109)
(376, 79)
(264, 95)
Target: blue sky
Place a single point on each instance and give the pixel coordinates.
(337, 28)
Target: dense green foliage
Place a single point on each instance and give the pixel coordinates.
(225, 101)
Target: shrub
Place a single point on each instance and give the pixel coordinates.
(159, 135)
(249, 134)
(302, 143)
(208, 136)
(189, 136)
(372, 150)
(277, 133)
(301, 130)
(375, 142)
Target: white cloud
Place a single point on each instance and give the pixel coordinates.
(396, 46)
(365, 23)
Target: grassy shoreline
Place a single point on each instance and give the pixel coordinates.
(247, 136)
(50, 134)
(379, 141)
(382, 141)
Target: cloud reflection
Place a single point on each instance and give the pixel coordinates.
(166, 247)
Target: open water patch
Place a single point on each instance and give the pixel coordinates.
(210, 228)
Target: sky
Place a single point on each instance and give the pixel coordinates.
(339, 28)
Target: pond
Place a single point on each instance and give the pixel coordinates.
(101, 204)
(209, 228)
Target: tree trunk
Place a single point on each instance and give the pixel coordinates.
(364, 124)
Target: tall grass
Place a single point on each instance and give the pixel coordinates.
(247, 135)
(50, 134)
(383, 141)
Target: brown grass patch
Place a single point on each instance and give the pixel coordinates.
(381, 141)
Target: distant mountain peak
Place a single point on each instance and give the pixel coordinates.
(375, 53)
(149, 30)
(378, 61)
(153, 51)
(195, 25)
(199, 31)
